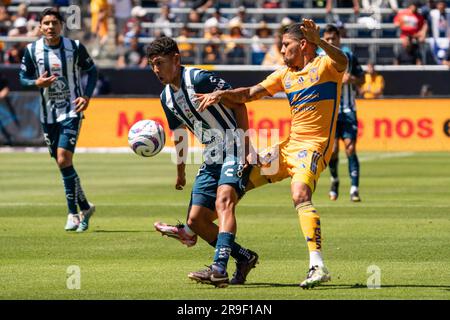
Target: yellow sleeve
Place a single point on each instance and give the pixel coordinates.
(274, 82)
(329, 66)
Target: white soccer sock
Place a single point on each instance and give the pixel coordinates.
(353, 189)
(188, 230)
(315, 259)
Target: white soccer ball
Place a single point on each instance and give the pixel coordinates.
(146, 138)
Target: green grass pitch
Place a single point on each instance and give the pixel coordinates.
(402, 227)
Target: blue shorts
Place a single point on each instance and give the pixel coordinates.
(211, 176)
(62, 134)
(347, 130)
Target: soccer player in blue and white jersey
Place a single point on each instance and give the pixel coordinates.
(54, 64)
(347, 123)
(222, 178)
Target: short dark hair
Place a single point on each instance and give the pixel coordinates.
(295, 30)
(162, 46)
(51, 12)
(330, 28)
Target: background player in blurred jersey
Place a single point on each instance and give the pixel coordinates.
(347, 123)
(53, 64)
(313, 86)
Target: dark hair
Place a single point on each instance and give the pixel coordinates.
(330, 28)
(51, 12)
(162, 46)
(295, 30)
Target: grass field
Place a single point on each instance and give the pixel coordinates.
(402, 226)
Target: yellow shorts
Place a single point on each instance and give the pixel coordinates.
(302, 162)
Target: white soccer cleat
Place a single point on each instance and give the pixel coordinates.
(85, 215)
(316, 276)
(73, 221)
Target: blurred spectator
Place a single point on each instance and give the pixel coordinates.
(194, 17)
(99, 24)
(342, 4)
(373, 86)
(426, 90)
(5, 21)
(374, 6)
(259, 49)
(202, 5)
(135, 31)
(235, 52)
(426, 8)
(61, 3)
(187, 50)
(242, 16)
(411, 22)
(14, 54)
(22, 22)
(274, 57)
(164, 20)
(271, 4)
(212, 53)
(122, 13)
(409, 52)
(439, 21)
(134, 56)
(216, 18)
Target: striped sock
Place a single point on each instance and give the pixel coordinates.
(81, 197)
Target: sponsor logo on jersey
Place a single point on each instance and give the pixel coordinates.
(288, 83)
(313, 75)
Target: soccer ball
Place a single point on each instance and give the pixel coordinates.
(146, 138)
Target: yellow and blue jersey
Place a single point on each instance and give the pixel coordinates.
(314, 95)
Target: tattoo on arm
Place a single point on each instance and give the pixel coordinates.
(257, 92)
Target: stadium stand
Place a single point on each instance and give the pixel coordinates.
(369, 31)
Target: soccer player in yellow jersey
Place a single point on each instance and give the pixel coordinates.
(312, 84)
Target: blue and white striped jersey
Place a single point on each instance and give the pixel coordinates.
(180, 107)
(347, 107)
(66, 62)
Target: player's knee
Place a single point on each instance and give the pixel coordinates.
(350, 150)
(301, 195)
(225, 202)
(63, 161)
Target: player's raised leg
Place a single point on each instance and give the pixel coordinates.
(310, 224)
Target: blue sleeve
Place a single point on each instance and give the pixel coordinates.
(206, 82)
(87, 65)
(85, 62)
(28, 74)
(172, 120)
(357, 70)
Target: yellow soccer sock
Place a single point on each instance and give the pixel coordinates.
(310, 225)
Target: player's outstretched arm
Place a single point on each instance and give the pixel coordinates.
(238, 95)
(312, 34)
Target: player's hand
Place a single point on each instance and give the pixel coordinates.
(45, 82)
(181, 182)
(311, 31)
(81, 103)
(207, 99)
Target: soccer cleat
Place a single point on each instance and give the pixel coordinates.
(210, 276)
(85, 215)
(354, 196)
(73, 221)
(334, 190)
(316, 276)
(176, 232)
(243, 268)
